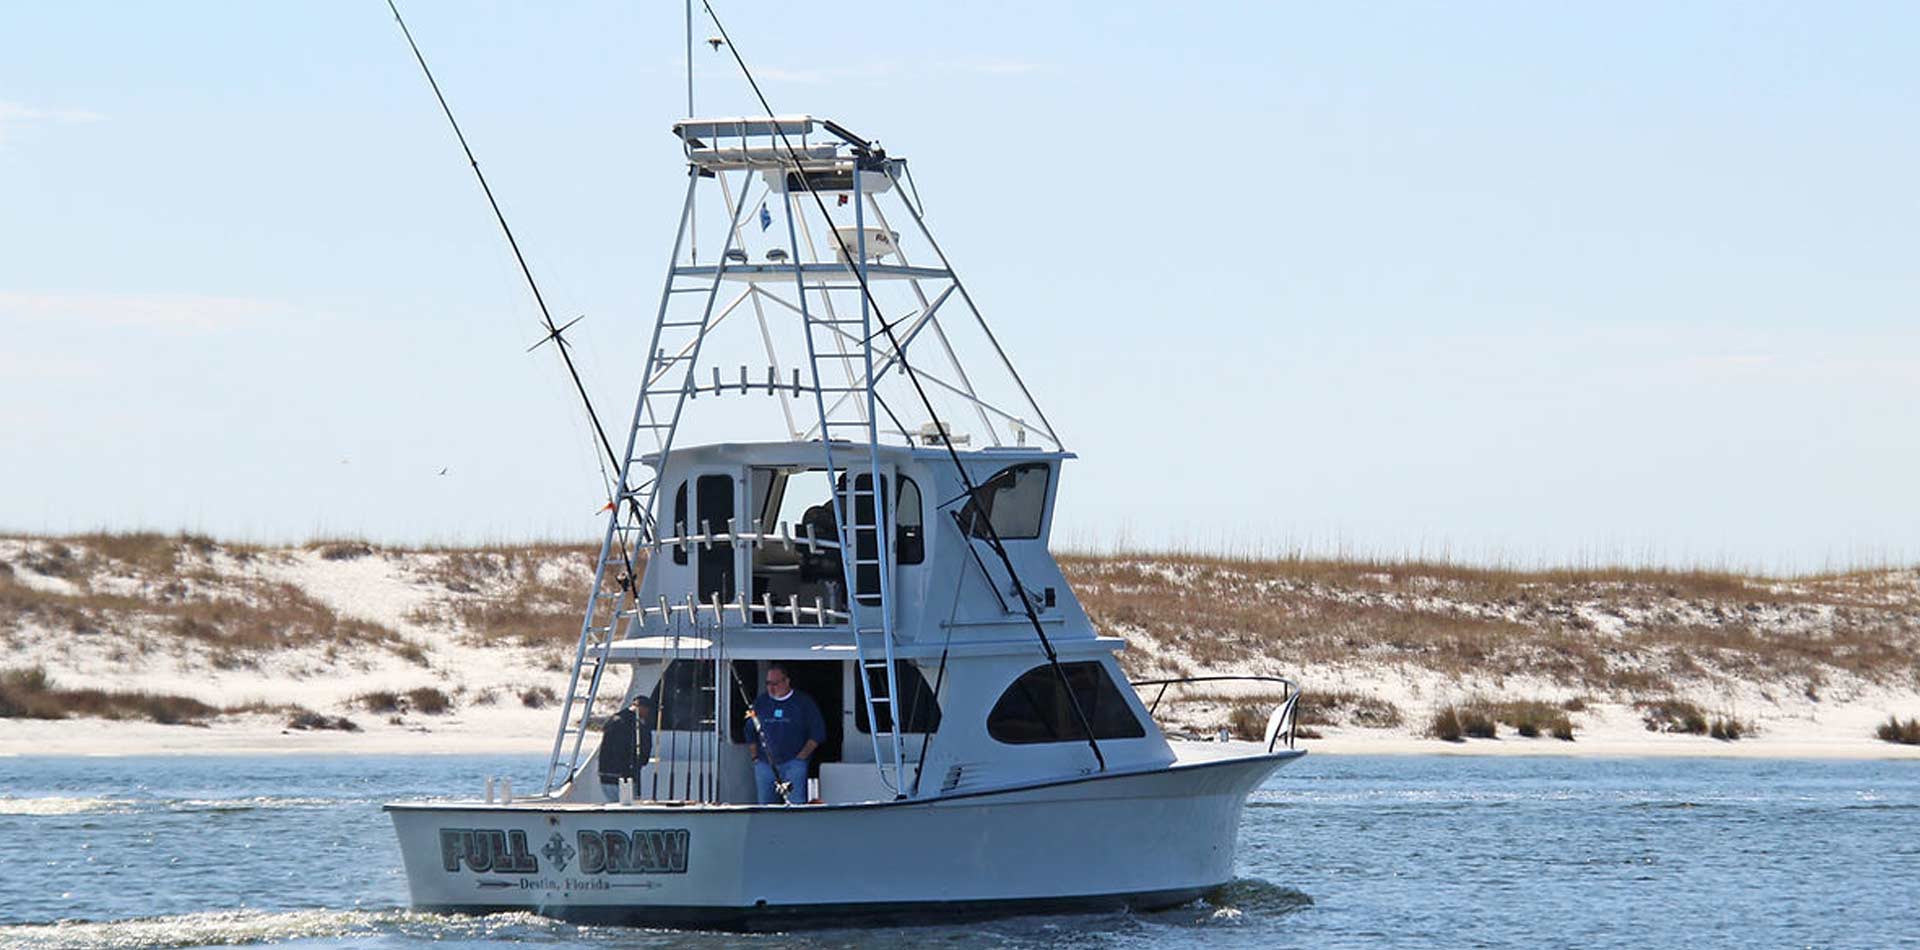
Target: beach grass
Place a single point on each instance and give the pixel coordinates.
(31, 694)
(1612, 633)
(1893, 730)
(1480, 717)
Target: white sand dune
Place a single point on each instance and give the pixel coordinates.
(121, 615)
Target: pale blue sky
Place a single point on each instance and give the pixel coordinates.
(1519, 282)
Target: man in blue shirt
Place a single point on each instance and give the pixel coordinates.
(791, 728)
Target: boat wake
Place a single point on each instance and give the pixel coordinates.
(1251, 897)
(56, 806)
(241, 927)
(258, 802)
(53, 807)
(1246, 901)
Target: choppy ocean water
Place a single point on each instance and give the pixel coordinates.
(1334, 852)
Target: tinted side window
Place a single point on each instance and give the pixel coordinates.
(1012, 501)
(910, 538)
(680, 523)
(921, 711)
(715, 575)
(684, 696)
(683, 699)
(1036, 708)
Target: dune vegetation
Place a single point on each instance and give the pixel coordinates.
(181, 628)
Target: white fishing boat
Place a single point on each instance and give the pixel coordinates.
(797, 490)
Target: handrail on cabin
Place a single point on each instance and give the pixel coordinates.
(1280, 723)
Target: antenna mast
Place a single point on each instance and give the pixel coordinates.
(693, 213)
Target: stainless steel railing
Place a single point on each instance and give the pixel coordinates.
(1280, 722)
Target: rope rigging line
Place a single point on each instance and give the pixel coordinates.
(863, 152)
(939, 678)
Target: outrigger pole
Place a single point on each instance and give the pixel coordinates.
(864, 152)
(554, 332)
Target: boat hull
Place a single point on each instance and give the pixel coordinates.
(1142, 839)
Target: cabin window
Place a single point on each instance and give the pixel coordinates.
(1012, 501)
(909, 537)
(715, 497)
(1036, 707)
(683, 699)
(761, 497)
(680, 523)
(803, 500)
(920, 709)
(788, 580)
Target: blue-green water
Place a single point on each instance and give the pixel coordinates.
(1334, 852)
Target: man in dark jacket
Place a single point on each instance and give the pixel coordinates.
(626, 744)
(791, 729)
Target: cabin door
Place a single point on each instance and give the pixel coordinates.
(825, 681)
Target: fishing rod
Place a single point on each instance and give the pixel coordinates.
(780, 784)
(554, 332)
(865, 151)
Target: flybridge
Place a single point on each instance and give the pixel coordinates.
(785, 147)
(839, 272)
(784, 142)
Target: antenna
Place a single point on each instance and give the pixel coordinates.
(693, 213)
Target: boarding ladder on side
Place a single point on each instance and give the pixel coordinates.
(861, 504)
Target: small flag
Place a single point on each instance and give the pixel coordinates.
(766, 217)
(843, 201)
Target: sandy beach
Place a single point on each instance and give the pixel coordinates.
(530, 732)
